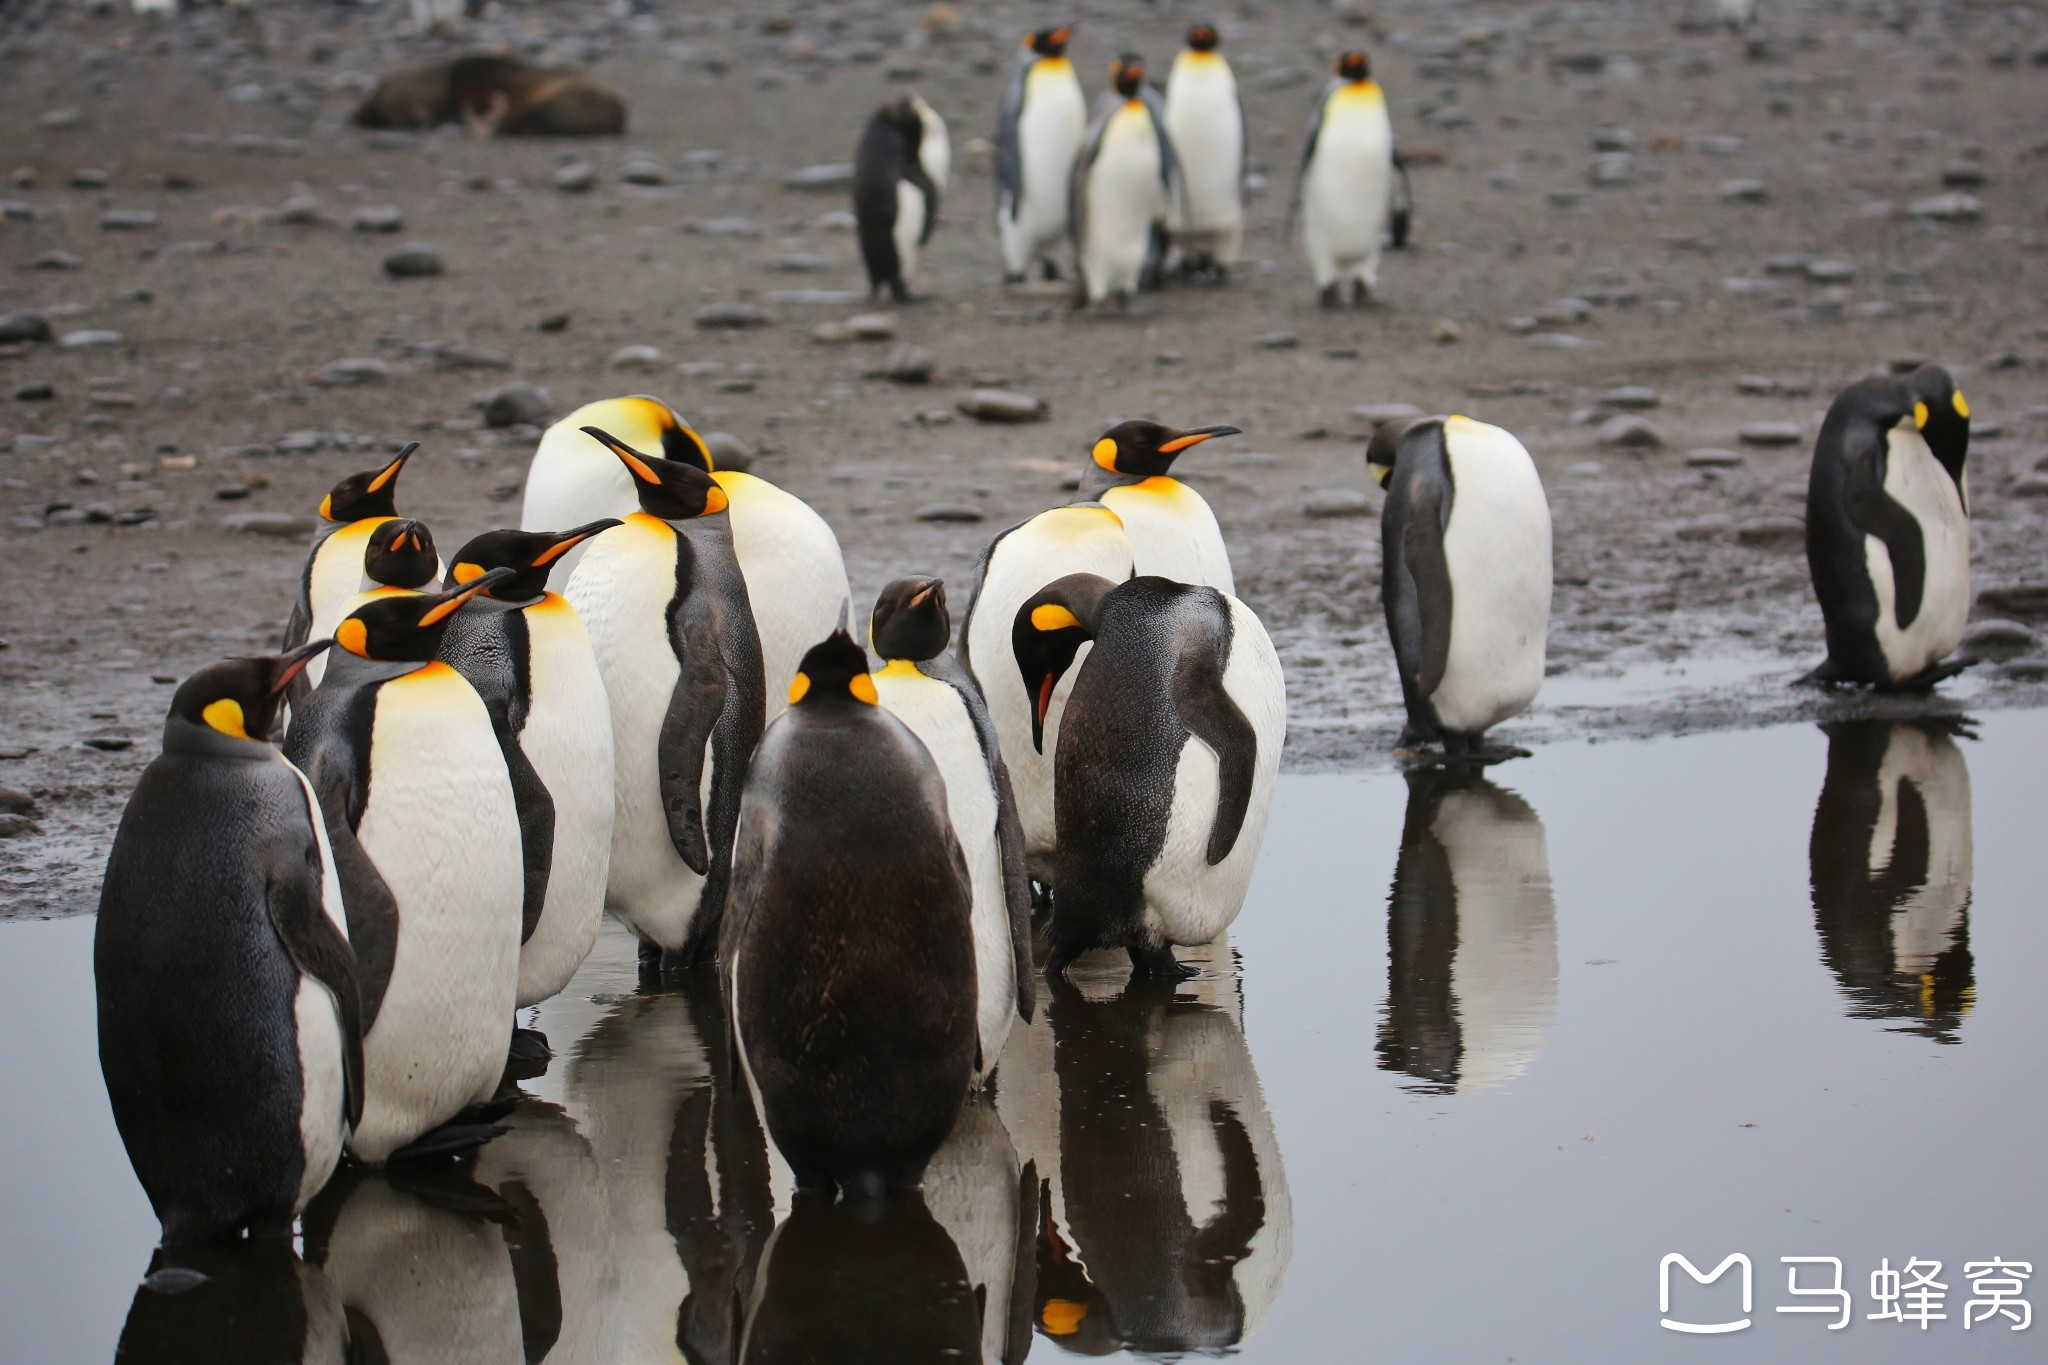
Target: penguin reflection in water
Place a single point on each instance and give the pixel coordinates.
(1121, 186)
(896, 191)
(257, 1302)
(1888, 531)
(1891, 864)
(1465, 578)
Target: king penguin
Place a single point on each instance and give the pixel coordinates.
(895, 202)
(1079, 538)
(789, 557)
(1465, 577)
(1121, 188)
(1039, 133)
(1888, 531)
(1346, 187)
(850, 952)
(425, 828)
(525, 651)
(1205, 122)
(1165, 760)
(228, 1026)
(1172, 531)
(925, 688)
(667, 611)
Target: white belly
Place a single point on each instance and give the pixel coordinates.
(1497, 551)
(439, 1040)
(1348, 189)
(1173, 532)
(909, 230)
(795, 575)
(1925, 922)
(337, 576)
(1049, 134)
(1504, 972)
(1207, 128)
(323, 1112)
(1125, 198)
(971, 1189)
(1917, 482)
(568, 739)
(436, 1284)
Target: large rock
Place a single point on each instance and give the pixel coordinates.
(24, 324)
(414, 260)
(1003, 405)
(1630, 433)
(514, 404)
(378, 218)
(729, 452)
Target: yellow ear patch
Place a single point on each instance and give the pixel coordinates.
(1920, 415)
(1962, 408)
(1051, 616)
(1062, 1317)
(1105, 454)
(327, 508)
(225, 716)
(799, 688)
(715, 501)
(862, 686)
(466, 572)
(353, 636)
(1380, 473)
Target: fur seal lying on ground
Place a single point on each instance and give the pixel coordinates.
(494, 93)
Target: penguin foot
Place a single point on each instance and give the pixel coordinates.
(1159, 964)
(528, 1056)
(1010, 278)
(1329, 297)
(1049, 269)
(1928, 677)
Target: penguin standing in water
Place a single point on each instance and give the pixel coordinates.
(525, 651)
(668, 615)
(1121, 187)
(1079, 538)
(1465, 577)
(1205, 122)
(1172, 531)
(849, 957)
(932, 694)
(425, 828)
(1165, 760)
(895, 202)
(1040, 129)
(1346, 187)
(1888, 531)
(228, 1023)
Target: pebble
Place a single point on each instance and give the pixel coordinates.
(1951, 208)
(301, 210)
(90, 336)
(1756, 383)
(732, 316)
(1744, 191)
(1771, 434)
(576, 177)
(873, 326)
(1707, 457)
(1446, 332)
(816, 298)
(1830, 272)
(1997, 638)
(1713, 526)
(56, 260)
(378, 218)
(88, 178)
(1002, 405)
(725, 227)
(1275, 341)
(635, 358)
(514, 404)
(24, 325)
(823, 179)
(643, 170)
(1714, 144)
(834, 333)
(414, 260)
(1772, 532)
(1963, 175)
(1632, 396)
(798, 263)
(15, 801)
(2032, 486)
(35, 391)
(1563, 341)
(837, 220)
(352, 372)
(906, 365)
(1337, 502)
(729, 451)
(470, 358)
(1613, 140)
(127, 220)
(109, 743)
(950, 512)
(1630, 433)
(2016, 599)
(284, 525)
(14, 826)
(1612, 169)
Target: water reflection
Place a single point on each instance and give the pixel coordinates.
(1890, 859)
(1471, 936)
(256, 1302)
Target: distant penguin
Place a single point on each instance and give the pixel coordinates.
(1165, 760)
(1079, 538)
(525, 651)
(1346, 187)
(927, 689)
(349, 515)
(1172, 531)
(1465, 577)
(795, 574)
(1205, 122)
(1040, 129)
(895, 201)
(849, 958)
(229, 1031)
(1888, 531)
(412, 782)
(667, 611)
(1121, 185)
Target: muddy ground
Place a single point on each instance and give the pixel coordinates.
(1682, 597)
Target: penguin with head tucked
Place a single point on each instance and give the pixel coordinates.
(425, 828)
(925, 688)
(895, 201)
(229, 1031)
(1079, 538)
(849, 952)
(1164, 762)
(1041, 127)
(669, 616)
(1888, 531)
(525, 651)
(1204, 118)
(1465, 578)
(1172, 531)
(1122, 182)
(1345, 189)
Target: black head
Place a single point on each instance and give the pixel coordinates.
(1385, 446)
(1127, 74)
(901, 114)
(834, 671)
(407, 629)
(368, 494)
(1051, 42)
(240, 697)
(1203, 38)
(1144, 449)
(1946, 421)
(1048, 632)
(1354, 66)
(670, 489)
(401, 554)
(530, 555)
(911, 620)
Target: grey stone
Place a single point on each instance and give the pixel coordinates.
(1379, 414)
(1337, 502)
(1002, 405)
(1715, 144)
(1564, 341)
(24, 324)
(1612, 169)
(352, 372)
(1446, 332)
(1632, 396)
(1756, 383)
(1997, 638)
(732, 316)
(35, 391)
(1275, 341)
(2016, 599)
(576, 177)
(873, 326)
(15, 801)
(1771, 434)
(906, 365)
(825, 179)
(725, 227)
(377, 218)
(1630, 433)
(1564, 312)
(1713, 526)
(15, 826)
(1744, 191)
(471, 358)
(834, 333)
(284, 525)
(814, 298)
(643, 170)
(109, 743)
(1951, 208)
(301, 210)
(949, 512)
(1710, 458)
(88, 178)
(414, 260)
(2031, 486)
(1772, 532)
(90, 336)
(1963, 175)
(128, 220)
(1830, 271)
(798, 263)
(635, 358)
(1613, 140)
(1787, 262)
(729, 451)
(514, 404)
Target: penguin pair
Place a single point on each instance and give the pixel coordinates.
(1040, 130)
(1204, 122)
(899, 173)
(1888, 531)
(1346, 191)
(1122, 184)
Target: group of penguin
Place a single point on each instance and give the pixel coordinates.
(1152, 181)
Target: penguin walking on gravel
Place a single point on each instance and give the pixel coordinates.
(1465, 578)
(669, 617)
(1040, 129)
(525, 651)
(425, 829)
(925, 688)
(1172, 531)
(1345, 191)
(1888, 531)
(1165, 761)
(895, 200)
(1078, 538)
(1205, 123)
(1122, 184)
(849, 955)
(229, 1031)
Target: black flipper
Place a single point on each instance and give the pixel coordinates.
(318, 950)
(1009, 168)
(1402, 214)
(371, 908)
(693, 709)
(1022, 1307)
(914, 172)
(1874, 512)
(535, 1273)
(1213, 717)
(536, 807)
(1415, 586)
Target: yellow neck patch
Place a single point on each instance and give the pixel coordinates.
(226, 716)
(901, 668)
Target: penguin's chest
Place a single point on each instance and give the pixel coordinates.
(1927, 917)
(567, 735)
(1497, 554)
(1916, 481)
(1172, 532)
(794, 574)
(1350, 181)
(1208, 136)
(909, 229)
(1049, 131)
(1125, 193)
